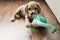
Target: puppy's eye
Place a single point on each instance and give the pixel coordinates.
(29, 8)
(36, 8)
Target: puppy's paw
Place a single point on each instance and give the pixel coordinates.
(27, 26)
(12, 19)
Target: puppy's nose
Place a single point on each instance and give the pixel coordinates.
(32, 13)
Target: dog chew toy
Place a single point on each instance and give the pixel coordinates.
(40, 21)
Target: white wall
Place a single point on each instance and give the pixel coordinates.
(55, 7)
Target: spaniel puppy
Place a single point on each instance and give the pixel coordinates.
(25, 11)
(31, 8)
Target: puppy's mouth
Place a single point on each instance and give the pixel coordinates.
(30, 19)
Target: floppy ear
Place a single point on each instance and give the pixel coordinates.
(26, 9)
(39, 9)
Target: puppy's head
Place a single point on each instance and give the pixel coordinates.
(31, 8)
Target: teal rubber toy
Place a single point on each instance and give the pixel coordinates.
(39, 20)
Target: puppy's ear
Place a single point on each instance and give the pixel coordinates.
(26, 9)
(39, 8)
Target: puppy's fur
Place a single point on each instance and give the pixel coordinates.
(19, 13)
(25, 11)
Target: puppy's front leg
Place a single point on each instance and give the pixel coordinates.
(27, 21)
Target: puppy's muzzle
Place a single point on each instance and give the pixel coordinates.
(32, 13)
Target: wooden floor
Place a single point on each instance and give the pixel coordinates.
(17, 30)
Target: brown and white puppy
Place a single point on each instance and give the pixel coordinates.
(25, 11)
(31, 8)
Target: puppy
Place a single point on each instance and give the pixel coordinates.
(26, 11)
(31, 8)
